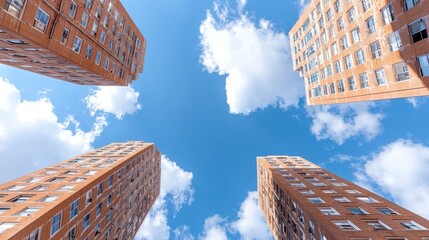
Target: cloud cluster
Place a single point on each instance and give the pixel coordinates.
(32, 136)
(176, 188)
(341, 122)
(115, 100)
(255, 58)
(399, 170)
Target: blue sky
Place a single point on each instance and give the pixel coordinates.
(217, 91)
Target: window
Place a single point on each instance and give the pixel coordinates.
(98, 209)
(33, 180)
(360, 56)
(21, 198)
(377, 225)
(328, 191)
(3, 209)
(334, 48)
(74, 207)
(410, 4)
(66, 188)
(40, 188)
(410, 225)
(77, 44)
(297, 184)
(316, 200)
(306, 192)
(344, 42)
(342, 199)
(367, 199)
(331, 31)
(78, 179)
(319, 184)
(90, 172)
(401, 71)
(72, 9)
(72, 234)
(109, 216)
(352, 83)
(5, 226)
(394, 40)
(109, 199)
(88, 3)
(346, 225)
(110, 181)
(364, 83)
(329, 14)
(370, 24)
(356, 35)
(56, 223)
(418, 30)
(424, 65)
(340, 85)
(329, 70)
(329, 211)
(387, 14)
(106, 63)
(366, 4)
(340, 24)
(34, 235)
(84, 20)
(352, 14)
(376, 50)
(338, 67)
(337, 6)
(15, 188)
(387, 211)
(85, 221)
(100, 188)
(28, 212)
(348, 61)
(339, 184)
(353, 192)
(14, 7)
(41, 20)
(357, 211)
(98, 58)
(49, 199)
(103, 37)
(332, 88)
(88, 54)
(380, 77)
(56, 179)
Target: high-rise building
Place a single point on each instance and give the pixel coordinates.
(103, 194)
(362, 50)
(88, 42)
(302, 201)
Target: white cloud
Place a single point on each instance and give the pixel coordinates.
(118, 101)
(215, 228)
(182, 233)
(176, 188)
(302, 4)
(251, 224)
(256, 59)
(241, 4)
(415, 102)
(341, 122)
(399, 169)
(32, 137)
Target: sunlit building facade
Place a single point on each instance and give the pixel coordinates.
(88, 42)
(362, 50)
(302, 201)
(103, 194)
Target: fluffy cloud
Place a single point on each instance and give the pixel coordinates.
(118, 101)
(302, 4)
(341, 122)
(251, 224)
(215, 228)
(176, 188)
(415, 102)
(399, 170)
(33, 126)
(255, 58)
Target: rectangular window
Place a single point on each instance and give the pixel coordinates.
(88, 54)
(352, 14)
(367, 199)
(77, 44)
(334, 48)
(337, 6)
(65, 188)
(331, 31)
(410, 225)
(352, 83)
(74, 207)
(106, 63)
(357, 211)
(363, 78)
(329, 70)
(34, 235)
(306, 192)
(329, 14)
(366, 4)
(84, 20)
(418, 30)
(401, 71)
(56, 223)
(5, 226)
(346, 225)
(387, 14)
(41, 20)
(342, 199)
(395, 42)
(380, 76)
(340, 86)
(332, 88)
(103, 37)
(14, 7)
(88, 3)
(98, 58)
(21, 198)
(340, 24)
(348, 61)
(376, 50)
(72, 234)
(100, 188)
(328, 211)
(15, 188)
(86, 221)
(424, 65)
(72, 9)
(378, 225)
(316, 200)
(360, 56)
(28, 212)
(344, 42)
(370, 24)
(338, 68)
(49, 199)
(410, 4)
(98, 209)
(356, 35)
